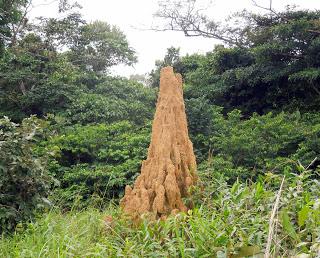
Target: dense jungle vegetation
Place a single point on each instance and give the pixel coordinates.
(72, 136)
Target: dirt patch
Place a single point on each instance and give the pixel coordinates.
(170, 168)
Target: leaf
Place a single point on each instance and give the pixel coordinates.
(247, 251)
(287, 225)
(235, 187)
(303, 215)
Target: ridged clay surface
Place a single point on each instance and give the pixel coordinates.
(170, 168)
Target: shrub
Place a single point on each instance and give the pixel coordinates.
(245, 148)
(97, 159)
(227, 221)
(113, 100)
(24, 183)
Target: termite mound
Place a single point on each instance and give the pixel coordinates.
(170, 168)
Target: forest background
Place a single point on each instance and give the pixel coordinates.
(72, 135)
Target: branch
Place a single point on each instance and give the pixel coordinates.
(271, 221)
(314, 31)
(269, 9)
(189, 20)
(21, 25)
(45, 4)
(312, 163)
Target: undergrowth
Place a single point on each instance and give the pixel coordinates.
(226, 221)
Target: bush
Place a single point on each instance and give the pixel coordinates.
(97, 160)
(86, 185)
(24, 183)
(246, 148)
(113, 100)
(227, 221)
(241, 211)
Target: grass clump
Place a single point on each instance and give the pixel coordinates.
(227, 221)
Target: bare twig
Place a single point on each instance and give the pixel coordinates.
(312, 162)
(314, 31)
(271, 221)
(186, 17)
(45, 4)
(21, 25)
(269, 9)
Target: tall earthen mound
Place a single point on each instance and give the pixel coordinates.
(170, 168)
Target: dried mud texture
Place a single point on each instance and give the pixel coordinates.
(170, 168)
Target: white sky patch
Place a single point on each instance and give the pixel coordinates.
(133, 17)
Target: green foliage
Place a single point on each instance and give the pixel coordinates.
(276, 68)
(171, 58)
(35, 80)
(297, 229)
(185, 65)
(24, 183)
(11, 14)
(203, 120)
(113, 100)
(101, 46)
(97, 159)
(247, 148)
(102, 130)
(57, 61)
(94, 46)
(230, 220)
(97, 108)
(259, 141)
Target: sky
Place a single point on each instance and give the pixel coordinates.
(135, 18)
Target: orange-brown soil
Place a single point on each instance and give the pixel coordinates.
(170, 168)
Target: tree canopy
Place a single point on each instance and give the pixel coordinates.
(275, 65)
(56, 59)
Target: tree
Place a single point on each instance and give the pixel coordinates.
(94, 46)
(49, 65)
(60, 33)
(13, 19)
(187, 16)
(113, 100)
(35, 79)
(170, 59)
(101, 46)
(97, 159)
(275, 67)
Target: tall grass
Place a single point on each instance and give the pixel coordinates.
(227, 221)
